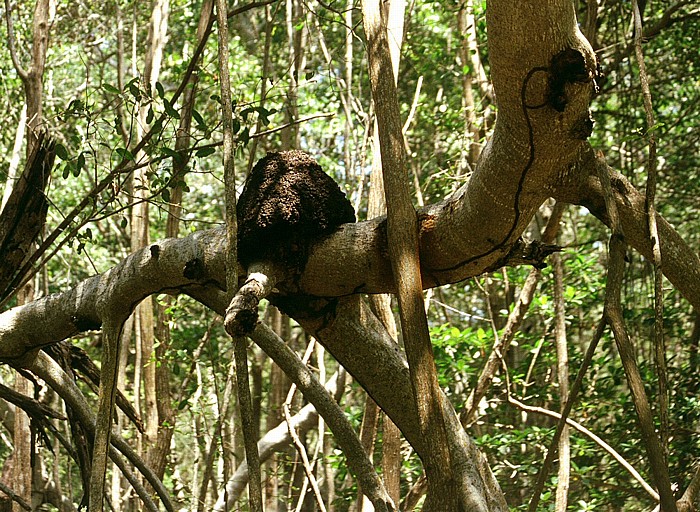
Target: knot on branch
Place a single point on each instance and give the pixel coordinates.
(527, 253)
(567, 67)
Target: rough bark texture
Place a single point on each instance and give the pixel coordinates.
(24, 214)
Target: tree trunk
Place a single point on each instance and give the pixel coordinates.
(563, 477)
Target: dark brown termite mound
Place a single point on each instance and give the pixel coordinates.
(287, 204)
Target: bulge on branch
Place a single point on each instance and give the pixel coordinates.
(288, 203)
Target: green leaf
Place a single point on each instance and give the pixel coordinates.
(125, 154)
(61, 151)
(198, 117)
(111, 89)
(134, 89)
(150, 115)
(205, 152)
(157, 126)
(161, 91)
(170, 110)
(244, 137)
(175, 155)
(165, 194)
(246, 112)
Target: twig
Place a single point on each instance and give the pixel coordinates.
(605, 446)
(23, 74)
(358, 461)
(515, 318)
(414, 107)
(310, 478)
(566, 409)
(15, 497)
(276, 439)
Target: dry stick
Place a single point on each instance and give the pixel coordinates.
(245, 400)
(659, 338)
(614, 317)
(358, 461)
(15, 497)
(402, 235)
(575, 388)
(605, 446)
(515, 318)
(308, 470)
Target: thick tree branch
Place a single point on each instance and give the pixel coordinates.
(352, 260)
(580, 185)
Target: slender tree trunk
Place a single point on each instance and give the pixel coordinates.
(15, 158)
(22, 453)
(381, 304)
(297, 37)
(563, 380)
(32, 80)
(402, 234)
(140, 226)
(467, 29)
(279, 471)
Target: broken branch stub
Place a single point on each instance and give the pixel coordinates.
(287, 204)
